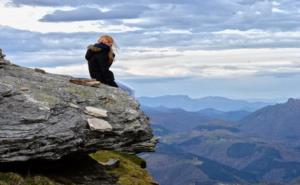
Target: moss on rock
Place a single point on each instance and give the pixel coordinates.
(79, 91)
(50, 100)
(130, 171)
(16, 179)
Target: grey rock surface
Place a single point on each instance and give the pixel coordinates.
(2, 56)
(3, 61)
(43, 116)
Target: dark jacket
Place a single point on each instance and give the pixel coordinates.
(99, 64)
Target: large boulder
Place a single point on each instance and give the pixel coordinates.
(44, 116)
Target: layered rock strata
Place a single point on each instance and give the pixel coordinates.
(44, 116)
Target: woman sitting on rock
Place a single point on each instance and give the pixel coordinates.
(100, 57)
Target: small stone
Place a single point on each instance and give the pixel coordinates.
(111, 163)
(93, 83)
(96, 112)
(24, 89)
(74, 105)
(99, 125)
(39, 70)
(85, 82)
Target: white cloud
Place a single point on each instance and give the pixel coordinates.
(80, 70)
(169, 39)
(277, 10)
(27, 18)
(196, 16)
(257, 34)
(200, 63)
(95, 13)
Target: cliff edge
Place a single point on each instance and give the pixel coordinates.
(46, 117)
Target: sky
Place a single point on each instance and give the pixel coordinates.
(242, 49)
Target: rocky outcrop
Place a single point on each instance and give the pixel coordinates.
(2, 56)
(44, 116)
(2, 59)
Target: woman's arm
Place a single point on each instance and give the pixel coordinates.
(91, 49)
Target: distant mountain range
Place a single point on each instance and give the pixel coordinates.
(173, 167)
(276, 122)
(191, 104)
(176, 120)
(263, 144)
(223, 115)
(180, 120)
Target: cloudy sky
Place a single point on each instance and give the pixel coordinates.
(246, 49)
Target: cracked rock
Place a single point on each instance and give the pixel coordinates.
(45, 123)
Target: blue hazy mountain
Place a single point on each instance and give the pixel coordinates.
(224, 115)
(166, 120)
(263, 144)
(172, 166)
(196, 104)
(180, 120)
(276, 122)
(175, 120)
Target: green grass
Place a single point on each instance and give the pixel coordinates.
(16, 179)
(129, 171)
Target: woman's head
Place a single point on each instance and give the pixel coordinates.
(106, 39)
(109, 41)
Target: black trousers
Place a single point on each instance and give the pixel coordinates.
(101, 72)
